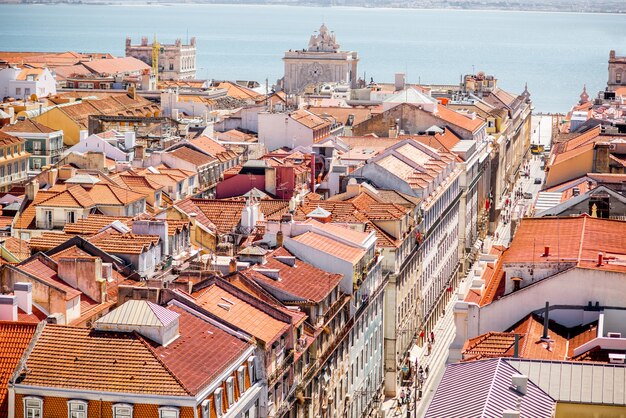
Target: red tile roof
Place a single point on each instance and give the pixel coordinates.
(43, 271)
(192, 156)
(14, 339)
(201, 352)
(301, 280)
(330, 246)
(28, 126)
(240, 313)
(85, 359)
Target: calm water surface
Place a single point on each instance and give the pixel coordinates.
(556, 53)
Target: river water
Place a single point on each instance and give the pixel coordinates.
(555, 53)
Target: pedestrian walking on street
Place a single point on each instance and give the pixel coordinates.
(427, 371)
(432, 337)
(430, 347)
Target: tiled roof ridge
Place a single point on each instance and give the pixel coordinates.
(31, 345)
(257, 303)
(142, 339)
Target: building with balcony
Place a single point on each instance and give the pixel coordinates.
(320, 353)
(353, 255)
(44, 144)
(434, 176)
(135, 362)
(13, 161)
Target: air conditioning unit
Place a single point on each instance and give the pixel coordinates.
(617, 358)
(614, 335)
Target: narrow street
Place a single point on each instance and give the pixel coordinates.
(445, 330)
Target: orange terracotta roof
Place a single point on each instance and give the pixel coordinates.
(48, 275)
(108, 194)
(207, 145)
(6, 139)
(26, 219)
(458, 119)
(301, 280)
(92, 224)
(201, 352)
(237, 91)
(330, 246)
(14, 339)
(342, 114)
(561, 346)
(116, 243)
(73, 197)
(240, 313)
(310, 120)
(47, 240)
(28, 126)
(18, 247)
(116, 65)
(192, 156)
(85, 359)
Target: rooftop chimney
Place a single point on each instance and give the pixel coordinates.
(31, 190)
(510, 413)
(600, 259)
(83, 134)
(24, 294)
(520, 382)
(400, 81)
(546, 251)
(279, 239)
(232, 265)
(8, 308)
(516, 347)
(546, 318)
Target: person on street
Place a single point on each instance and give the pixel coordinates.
(432, 337)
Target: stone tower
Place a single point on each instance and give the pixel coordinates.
(617, 71)
(322, 61)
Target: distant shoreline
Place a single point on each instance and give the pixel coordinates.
(478, 8)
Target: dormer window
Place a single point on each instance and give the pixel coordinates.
(122, 410)
(77, 409)
(169, 412)
(33, 407)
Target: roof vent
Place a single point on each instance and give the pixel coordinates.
(286, 259)
(148, 319)
(617, 358)
(273, 274)
(519, 382)
(575, 191)
(509, 413)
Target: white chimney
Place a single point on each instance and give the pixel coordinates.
(129, 140)
(8, 308)
(175, 114)
(83, 135)
(400, 81)
(520, 383)
(24, 294)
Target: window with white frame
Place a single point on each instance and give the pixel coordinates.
(70, 216)
(230, 391)
(169, 412)
(206, 408)
(76, 409)
(33, 407)
(122, 410)
(251, 371)
(217, 395)
(241, 380)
